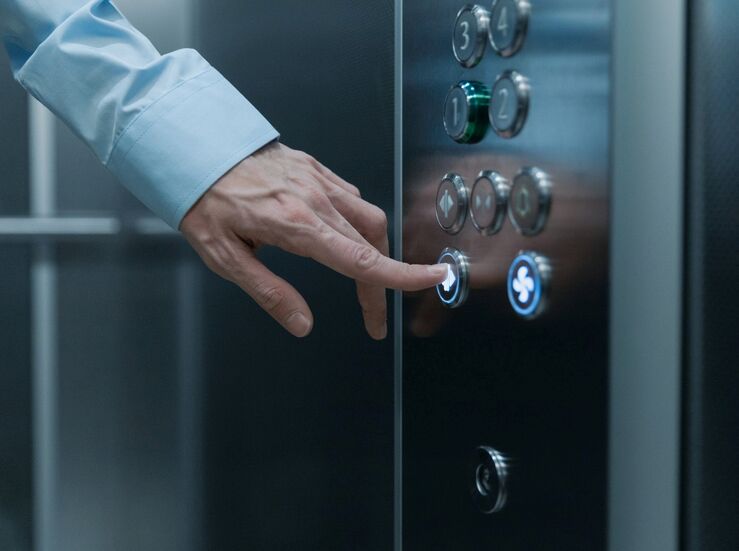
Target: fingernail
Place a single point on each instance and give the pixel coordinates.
(299, 325)
(439, 270)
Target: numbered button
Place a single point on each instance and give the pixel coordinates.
(530, 201)
(451, 203)
(465, 112)
(470, 34)
(509, 20)
(509, 104)
(488, 202)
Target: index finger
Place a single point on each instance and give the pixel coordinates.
(364, 263)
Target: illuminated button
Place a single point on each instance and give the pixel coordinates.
(453, 290)
(509, 20)
(528, 284)
(509, 104)
(530, 200)
(489, 477)
(465, 111)
(470, 35)
(451, 203)
(488, 202)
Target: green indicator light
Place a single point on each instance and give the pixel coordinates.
(466, 112)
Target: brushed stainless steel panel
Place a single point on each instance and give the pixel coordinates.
(479, 375)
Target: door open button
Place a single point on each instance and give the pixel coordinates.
(453, 290)
(451, 203)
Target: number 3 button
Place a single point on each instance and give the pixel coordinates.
(509, 104)
(470, 35)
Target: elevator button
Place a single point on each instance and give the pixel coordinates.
(470, 35)
(465, 111)
(528, 284)
(509, 20)
(488, 202)
(489, 477)
(453, 290)
(451, 203)
(530, 201)
(509, 104)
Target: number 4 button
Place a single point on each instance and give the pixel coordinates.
(509, 20)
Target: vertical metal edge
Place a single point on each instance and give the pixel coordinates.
(647, 186)
(398, 304)
(42, 153)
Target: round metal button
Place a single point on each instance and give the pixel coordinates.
(451, 203)
(465, 111)
(509, 104)
(509, 20)
(528, 284)
(488, 202)
(530, 201)
(453, 290)
(489, 475)
(470, 35)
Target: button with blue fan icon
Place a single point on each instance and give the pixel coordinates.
(528, 284)
(453, 290)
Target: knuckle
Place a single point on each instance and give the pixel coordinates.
(268, 296)
(378, 220)
(365, 258)
(354, 190)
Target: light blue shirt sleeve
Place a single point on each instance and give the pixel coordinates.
(167, 126)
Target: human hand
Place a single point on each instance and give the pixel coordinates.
(282, 197)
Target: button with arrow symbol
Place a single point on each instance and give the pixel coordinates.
(489, 202)
(451, 203)
(453, 290)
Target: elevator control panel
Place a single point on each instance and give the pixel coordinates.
(505, 163)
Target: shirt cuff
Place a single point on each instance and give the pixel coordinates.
(172, 153)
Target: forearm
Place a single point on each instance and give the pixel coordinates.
(168, 126)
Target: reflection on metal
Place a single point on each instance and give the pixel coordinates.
(44, 330)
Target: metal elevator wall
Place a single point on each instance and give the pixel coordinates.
(300, 433)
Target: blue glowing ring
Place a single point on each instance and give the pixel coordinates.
(531, 309)
(457, 285)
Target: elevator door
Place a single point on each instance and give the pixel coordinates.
(505, 124)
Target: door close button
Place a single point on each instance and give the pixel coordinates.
(488, 202)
